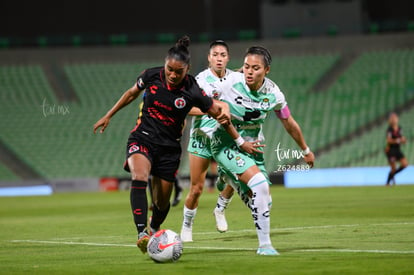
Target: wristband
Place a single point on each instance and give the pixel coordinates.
(306, 151)
(239, 141)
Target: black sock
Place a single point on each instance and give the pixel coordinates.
(177, 186)
(390, 176)
(139, 204)
(399, 170)
(158, 216)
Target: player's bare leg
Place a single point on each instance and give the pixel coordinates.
(198, 172)
(222, 202)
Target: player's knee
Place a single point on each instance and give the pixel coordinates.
(196, 190)
(139, 178)
(259, 184)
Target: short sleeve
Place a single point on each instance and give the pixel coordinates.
(142, 80)
(203, 101)
(280, 100)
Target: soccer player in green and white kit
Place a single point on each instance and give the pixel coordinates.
(199, 144)
(251, 96)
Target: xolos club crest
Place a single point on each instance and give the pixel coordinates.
(180, 103)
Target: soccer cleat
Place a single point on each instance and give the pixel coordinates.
(186, 234)
(142, 242)
(221, 223)
(267, 250)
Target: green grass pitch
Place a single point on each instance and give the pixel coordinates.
(352, 230)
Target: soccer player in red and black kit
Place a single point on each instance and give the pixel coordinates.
(153, 146)
(393, 150)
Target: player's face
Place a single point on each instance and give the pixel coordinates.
(218, 59)
(254, 70)
(393, 119)
(175, 71)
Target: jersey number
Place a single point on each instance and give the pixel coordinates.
(229, 154)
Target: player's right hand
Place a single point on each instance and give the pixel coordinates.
(103, 122)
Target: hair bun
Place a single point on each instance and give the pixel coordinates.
(183, 41)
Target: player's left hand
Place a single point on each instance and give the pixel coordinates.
(309, 159)
(251, 147)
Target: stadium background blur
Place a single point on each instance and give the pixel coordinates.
(343, 65)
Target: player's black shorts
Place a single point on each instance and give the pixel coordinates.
(164, 159)
(394, 154)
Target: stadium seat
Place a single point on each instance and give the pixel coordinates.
(63, 146)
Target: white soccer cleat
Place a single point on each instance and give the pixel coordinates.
(267, 250)
(186, 234)
(221, 223)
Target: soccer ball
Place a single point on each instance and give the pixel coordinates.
(165, 246)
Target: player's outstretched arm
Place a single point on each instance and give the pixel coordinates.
(128, 96)
(293, 128)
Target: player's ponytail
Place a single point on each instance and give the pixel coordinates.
(180, 50)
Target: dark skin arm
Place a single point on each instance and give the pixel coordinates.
(129, 95)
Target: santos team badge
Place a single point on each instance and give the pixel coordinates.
(240, 162)
(180, 103)
(265, 104)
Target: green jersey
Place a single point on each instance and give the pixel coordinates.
(204, 125)
(250, 108)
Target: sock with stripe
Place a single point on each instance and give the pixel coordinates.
(260, 206)
(139, 204)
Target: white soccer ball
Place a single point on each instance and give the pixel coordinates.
(165, 246)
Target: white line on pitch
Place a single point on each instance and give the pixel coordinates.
(225, 248)
(357, 251)
(309, 227)
(125, 245)
(73, 243)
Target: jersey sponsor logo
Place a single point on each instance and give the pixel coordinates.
(153, 89)
(240, 99)
(138, 211)
(180, 103)
(162, 105)
(154, 113)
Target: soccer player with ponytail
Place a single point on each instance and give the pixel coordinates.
(153, 146)
(251, 96)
